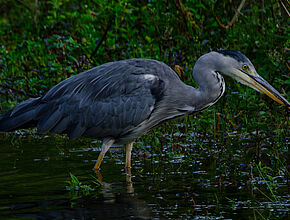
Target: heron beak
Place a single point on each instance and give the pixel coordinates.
(258, 83)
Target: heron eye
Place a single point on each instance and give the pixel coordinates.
(245, 67)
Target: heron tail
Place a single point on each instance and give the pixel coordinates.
(22, 116)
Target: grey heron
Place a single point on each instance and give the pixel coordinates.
(120, 101)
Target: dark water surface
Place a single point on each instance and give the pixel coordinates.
(168, 185)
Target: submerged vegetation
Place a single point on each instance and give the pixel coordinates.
(246, 133)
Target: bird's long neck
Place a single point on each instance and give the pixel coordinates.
(210, 83)
(182, 99)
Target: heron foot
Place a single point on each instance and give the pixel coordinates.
(107, 143)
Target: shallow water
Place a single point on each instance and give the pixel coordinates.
(175, 184)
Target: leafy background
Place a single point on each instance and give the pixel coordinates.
(44, 42)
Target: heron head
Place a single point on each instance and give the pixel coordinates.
(239, 67)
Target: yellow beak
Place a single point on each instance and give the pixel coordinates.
(263, 86)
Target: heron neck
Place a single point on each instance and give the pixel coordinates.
(210, 83)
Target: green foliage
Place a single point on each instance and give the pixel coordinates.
(77, 188)
(63, 38)
(267, 178)
(58, 39)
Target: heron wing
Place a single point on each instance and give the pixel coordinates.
(106, 101)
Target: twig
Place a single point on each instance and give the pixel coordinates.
(186, 14)
(25, 5)
(227, 119)
(104, 35)
(233, 19)
(35, 13)
(32, 9)
(156, 30)
(285, 8)
(179, 145)
(262, 12)
(93, 13)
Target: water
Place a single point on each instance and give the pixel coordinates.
(181, 183)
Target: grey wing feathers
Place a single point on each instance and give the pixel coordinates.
(108, 100)
(22, 116)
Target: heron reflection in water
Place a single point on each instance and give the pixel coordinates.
(120, 101)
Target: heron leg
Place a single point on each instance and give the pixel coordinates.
(107, 143)
(128, 154)
(130, 187)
